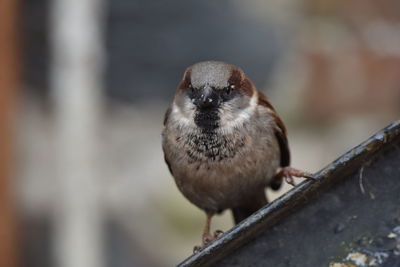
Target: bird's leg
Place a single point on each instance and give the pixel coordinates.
(288, 173)
(207, 238)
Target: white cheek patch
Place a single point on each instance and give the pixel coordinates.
(231, 120)
(184, 116)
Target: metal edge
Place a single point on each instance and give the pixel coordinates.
(277, 209)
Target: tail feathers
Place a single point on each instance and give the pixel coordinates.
(256, 202)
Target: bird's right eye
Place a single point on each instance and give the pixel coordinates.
(191, 89)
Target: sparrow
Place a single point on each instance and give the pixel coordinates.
(224, 143)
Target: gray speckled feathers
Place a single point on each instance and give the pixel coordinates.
(212, 73)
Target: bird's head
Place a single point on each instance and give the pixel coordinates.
(212, 94)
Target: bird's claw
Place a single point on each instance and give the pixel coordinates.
(289, 179)
(288, 173)
(218, 234)
(207, 239)
(197, 249)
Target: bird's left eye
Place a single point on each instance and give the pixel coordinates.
(227, 91)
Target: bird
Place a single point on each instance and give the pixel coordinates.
(224, 143)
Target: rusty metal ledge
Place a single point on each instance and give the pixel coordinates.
(281, 207)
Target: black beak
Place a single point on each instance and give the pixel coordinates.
(206, 99)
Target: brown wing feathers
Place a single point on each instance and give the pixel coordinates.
(281, 136)
(280, 131)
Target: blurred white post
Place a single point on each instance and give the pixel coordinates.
(76, 82)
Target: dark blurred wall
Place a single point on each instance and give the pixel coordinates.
(35, 45)
(150, 43)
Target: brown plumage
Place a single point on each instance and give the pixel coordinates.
(224, 142)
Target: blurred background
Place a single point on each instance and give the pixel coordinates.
(83, 89)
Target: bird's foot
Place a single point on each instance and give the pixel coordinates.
(288, 173)
(197, 249)
(208, 239)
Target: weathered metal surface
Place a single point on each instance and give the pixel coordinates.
(348, 216)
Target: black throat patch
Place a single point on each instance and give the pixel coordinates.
(207, 119)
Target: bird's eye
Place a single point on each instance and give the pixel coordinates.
(191, 92)
(190, 87)
(228, 91)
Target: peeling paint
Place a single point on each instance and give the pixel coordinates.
(359, 259)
